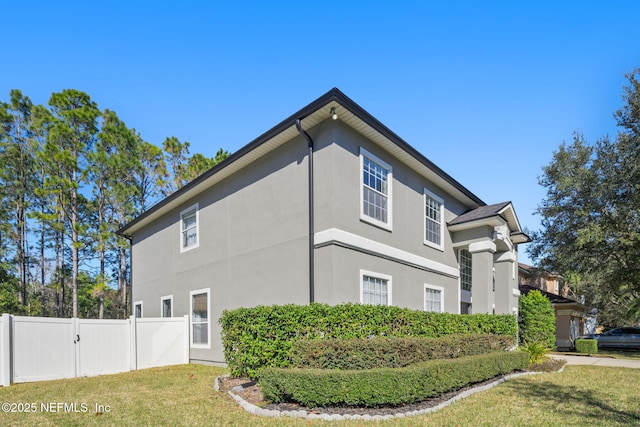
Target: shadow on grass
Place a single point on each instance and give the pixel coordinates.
(581, 402)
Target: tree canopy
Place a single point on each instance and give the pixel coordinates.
(70, 176)
(591, 215)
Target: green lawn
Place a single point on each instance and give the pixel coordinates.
(184, 396)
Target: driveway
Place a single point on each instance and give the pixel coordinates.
(598, 361)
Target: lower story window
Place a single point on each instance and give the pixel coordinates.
(465, 308)
(375, 288)
(166, 306)
(433, 296)
(200, 319)
(137, 309)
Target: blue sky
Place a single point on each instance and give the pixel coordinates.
(486, 90)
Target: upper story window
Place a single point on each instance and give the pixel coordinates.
(375, 288)
(464, 259)
(375, 190)
(434, 220)
(189, 228)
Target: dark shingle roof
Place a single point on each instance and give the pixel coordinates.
(481, 212)
(334, 95)
(554, 298)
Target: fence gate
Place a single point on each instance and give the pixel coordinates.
(42, 348)
(102, 347)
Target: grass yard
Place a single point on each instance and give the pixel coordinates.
(184, 396)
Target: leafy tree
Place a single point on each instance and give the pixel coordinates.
(150, 174)
(591, 213)
(70, 176)
(176, 156)
(9, 290)
(537, 320)
(71, 137)
(17, 176)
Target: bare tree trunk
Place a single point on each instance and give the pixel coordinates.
(42, 267)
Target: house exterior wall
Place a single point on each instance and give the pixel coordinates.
(337, 202)
(338, 179)
(338, 278)
(253, 239)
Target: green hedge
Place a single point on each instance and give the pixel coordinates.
(384, 386)
(254, 338)
(390, 352)
(587, 346)
(537, 320)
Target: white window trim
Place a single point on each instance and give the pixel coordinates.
(434, 288)
(191, 294)
(439, 199)
(162, 300)
(195, 206)
(141, 308)
(385, 225)
(377, 276)
(459, 257)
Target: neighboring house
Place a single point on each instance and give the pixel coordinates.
(532, 276)
(328, 206)
(571, 316)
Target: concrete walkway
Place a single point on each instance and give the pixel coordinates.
(598, 361)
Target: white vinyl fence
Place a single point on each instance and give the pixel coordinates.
(40, 348)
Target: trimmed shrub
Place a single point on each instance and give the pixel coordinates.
(384, 386)
(587, 346)
(537, 320)
(393, 352)
(254, 338)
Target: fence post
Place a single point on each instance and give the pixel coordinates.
(5, 349)
(187, 340)
(134, 344)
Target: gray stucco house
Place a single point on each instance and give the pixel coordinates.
(328, 206)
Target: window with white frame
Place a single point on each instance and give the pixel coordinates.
(375, 288)
(433, 298)
(137, 309)
(464, 259)
(189, 228)
(166, 306)
(375, 191)
(433, 220)
(200, 319)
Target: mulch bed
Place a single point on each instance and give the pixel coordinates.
(250, 391)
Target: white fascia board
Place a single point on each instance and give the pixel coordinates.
(354, 241)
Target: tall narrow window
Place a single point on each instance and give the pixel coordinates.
(434, 224)
(189, 228)
(464, 258)
(137, 309)
(200, 319)
(376, 289)
(375, 190)
(166, 306)
(433, 296)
